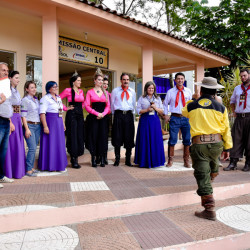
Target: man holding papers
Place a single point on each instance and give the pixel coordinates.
(5, 114)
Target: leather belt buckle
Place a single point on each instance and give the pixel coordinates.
(124, 112)
(207, 138)
(243, 115)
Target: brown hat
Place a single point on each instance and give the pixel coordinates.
(209, 83)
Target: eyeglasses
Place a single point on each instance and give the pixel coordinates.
(54, 87)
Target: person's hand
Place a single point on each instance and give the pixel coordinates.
(153, 106)
(2, 98)
(225, 155)
(64, 128)
(46, 130)
(12, 127)
(71, 107)
(150, 109)
(27, 133)
(167, 118)
(100, 116)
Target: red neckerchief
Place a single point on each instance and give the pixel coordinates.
(180, 90)
(244, 92)
(125, 90)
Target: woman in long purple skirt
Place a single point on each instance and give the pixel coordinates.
(14, 166)
(52, 155)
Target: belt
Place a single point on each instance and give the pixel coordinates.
(16, 108)
(4, 118)
(243, 115)
(204, 139)
(35, 123)
(124, 112)
(177, 115)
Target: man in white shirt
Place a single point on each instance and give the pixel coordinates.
(123, 100)
(5, 113)
(176, 98)
(240, 105)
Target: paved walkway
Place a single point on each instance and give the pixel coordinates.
(123, 208)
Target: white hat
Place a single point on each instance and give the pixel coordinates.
(209, 83)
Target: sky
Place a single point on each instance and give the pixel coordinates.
(161, 25)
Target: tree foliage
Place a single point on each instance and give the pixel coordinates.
(224, 29)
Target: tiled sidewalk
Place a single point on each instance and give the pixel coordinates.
(146, 230)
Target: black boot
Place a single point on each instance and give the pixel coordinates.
(128, 157)
(117, 156)
(102, 161)
(74, 162)
(106, 159)
(232, 165)
(98, 159)
(93, 161)
(247, 166)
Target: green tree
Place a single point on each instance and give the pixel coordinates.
(224, 29)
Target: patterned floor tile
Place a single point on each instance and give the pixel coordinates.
(237, 217)
(88, 186)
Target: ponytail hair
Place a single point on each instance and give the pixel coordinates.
(26, 86)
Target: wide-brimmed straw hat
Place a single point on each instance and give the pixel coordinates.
(209, 83)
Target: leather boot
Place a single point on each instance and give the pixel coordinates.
(232, 165)
(247, 166)
(117, 156)
(213, 175)
(186, 156)
(106, 158)
(170, 156)
(93, 161)
(98, 159)
(74, 162)
(128, 157)
(102, 164)
(208, 202)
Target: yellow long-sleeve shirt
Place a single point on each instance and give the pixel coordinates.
(207, 116)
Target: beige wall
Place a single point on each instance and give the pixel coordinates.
(23, 34)
(20, 34)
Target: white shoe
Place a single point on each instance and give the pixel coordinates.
(6, 180)
(1, 186)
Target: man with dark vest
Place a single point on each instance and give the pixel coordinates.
(240, 104)
(211, 136)
(123, 100)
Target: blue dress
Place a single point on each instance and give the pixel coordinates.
(149, 149)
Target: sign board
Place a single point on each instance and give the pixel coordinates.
(80, 52)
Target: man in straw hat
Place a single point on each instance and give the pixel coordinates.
(240, 104)
(211, 136)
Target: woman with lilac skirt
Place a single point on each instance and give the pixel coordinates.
(52, 155)
(14, 166)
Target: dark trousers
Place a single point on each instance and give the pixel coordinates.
(205, 161)
(241, 138)
(123, 130)
(97, 135)
(4, 140)
(75, 133)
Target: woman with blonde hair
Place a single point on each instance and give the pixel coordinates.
(98, 106)
(31, 125)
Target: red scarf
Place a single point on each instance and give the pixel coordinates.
(244, 92)
(180, 90)
(125, 90)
